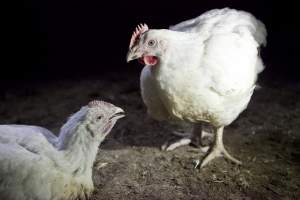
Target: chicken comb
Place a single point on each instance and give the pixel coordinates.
(96, 103)
(140, 29)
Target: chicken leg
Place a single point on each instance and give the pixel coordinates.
(218, 149)
(196, 137)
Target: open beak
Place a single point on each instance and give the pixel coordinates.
(133, 54)
(118, 114)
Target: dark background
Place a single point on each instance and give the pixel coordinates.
(83, 39)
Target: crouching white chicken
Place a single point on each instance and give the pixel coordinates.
(201, 70)
(35, 164)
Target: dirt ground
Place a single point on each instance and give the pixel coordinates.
(130, 164)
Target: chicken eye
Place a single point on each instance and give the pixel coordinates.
(151, 43)
(99, 117)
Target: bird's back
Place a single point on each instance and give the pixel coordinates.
(23, 148)
(221, 21)
(31, 135)
(18, 168)
(230, 55)
(30, 166)
(26, 174)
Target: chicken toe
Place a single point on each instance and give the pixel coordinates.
(218, 150)
(181, 142)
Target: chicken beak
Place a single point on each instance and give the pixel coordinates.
(119, 113)
(132, 55)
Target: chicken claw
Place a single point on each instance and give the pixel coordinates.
(218, 150)
(181, 142)
(195, 138)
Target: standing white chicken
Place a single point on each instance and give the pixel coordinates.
(201, 70)
(35, 164)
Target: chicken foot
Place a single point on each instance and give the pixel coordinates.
(218, 150)
(195, 138)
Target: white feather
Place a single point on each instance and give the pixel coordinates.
(209, 69)
(35, 164)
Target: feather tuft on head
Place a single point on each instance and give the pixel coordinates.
(96, 103)
(140, 29)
